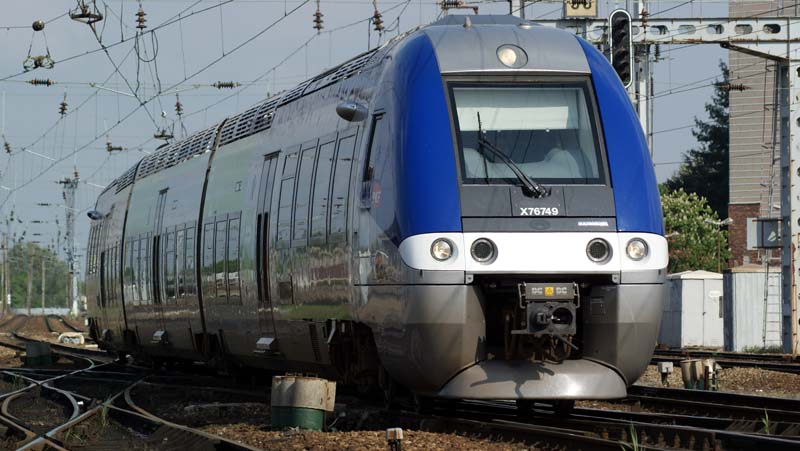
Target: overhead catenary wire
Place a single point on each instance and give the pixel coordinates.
(145, 102)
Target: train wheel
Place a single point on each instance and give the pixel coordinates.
(563, 407)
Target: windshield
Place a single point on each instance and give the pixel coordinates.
(547, 130)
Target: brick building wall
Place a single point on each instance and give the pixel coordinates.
(737, 236)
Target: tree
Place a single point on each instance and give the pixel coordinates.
(704, 170)
(693, 242)
(20, 256)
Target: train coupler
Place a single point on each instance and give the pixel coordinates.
(550, 310)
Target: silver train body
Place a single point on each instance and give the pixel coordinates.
(358, 227)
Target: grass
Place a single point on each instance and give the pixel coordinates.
(634, 444)
(772, 349)
(765, 422)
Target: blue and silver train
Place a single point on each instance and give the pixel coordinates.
(469, 211)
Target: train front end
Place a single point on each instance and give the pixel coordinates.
(540, 261)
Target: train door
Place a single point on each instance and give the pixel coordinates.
(267, 341)
(157, 327)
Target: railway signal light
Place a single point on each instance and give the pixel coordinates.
(621, 45)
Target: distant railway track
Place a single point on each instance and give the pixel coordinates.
(771, 362)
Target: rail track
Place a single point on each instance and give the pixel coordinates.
(771, 362)
(94, 404)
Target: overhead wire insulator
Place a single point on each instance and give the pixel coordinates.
(178, 106)
(7, 146)
(318, 19)
(733, 87)
(112, 148)
(226, 85)
(41, 82)
(140, 20)
(84, 13)
(377, 19)
(62, 107)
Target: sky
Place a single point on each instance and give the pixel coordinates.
(264, 45)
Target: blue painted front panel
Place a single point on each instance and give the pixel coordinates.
(427, 191)
(632, 176)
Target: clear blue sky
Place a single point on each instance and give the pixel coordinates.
(30, 116)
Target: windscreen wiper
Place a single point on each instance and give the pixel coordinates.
(529, 187)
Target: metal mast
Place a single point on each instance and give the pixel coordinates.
(70, 186)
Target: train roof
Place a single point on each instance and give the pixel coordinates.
(454, 38)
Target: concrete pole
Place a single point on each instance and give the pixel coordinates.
(7, 269)
(30, 279)
(3, 272)
(43, 285)
(517, 8)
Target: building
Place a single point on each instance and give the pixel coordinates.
(755, 175)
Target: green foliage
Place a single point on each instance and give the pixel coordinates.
(692, 241)
(771, 349)
(704, 170)
(56, 271)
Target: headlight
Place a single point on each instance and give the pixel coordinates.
(636, 249)
(512, 56)
(483, 250)
(442, 249)
(598, 250)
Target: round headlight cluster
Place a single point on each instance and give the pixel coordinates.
(636, 249)
(512, 56)
(598, 250)
(483, 250)
(442, 249)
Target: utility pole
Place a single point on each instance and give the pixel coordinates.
(43, 285)
(7, 270)
(30, 278)
(3, 272)
(517, 8)
(70, 185)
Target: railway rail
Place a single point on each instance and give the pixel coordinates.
(771, 362)
(99, 409)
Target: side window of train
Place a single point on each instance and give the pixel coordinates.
(191, 283)
(303, 193)
(208, 288)
(180, 262)
(374, 149)
(321, 199)
(286, 199)
(341, 188)
(169, 266)
(144, 268)
(233, 263)
(220, 259)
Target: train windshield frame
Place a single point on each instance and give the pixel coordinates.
(548, 128)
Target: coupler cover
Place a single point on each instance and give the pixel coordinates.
(550, 308)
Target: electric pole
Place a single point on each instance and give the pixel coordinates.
(43, 285)
(7, 270)
(517, 8)
(3, 271)
(30, 278)
(70, 185)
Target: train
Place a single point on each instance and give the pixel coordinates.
(468, 211)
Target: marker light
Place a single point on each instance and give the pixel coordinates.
(512, 56)
(483, 250)
(598, 250)
(636, 249)
(441, 249)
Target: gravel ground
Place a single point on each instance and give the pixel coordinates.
(753, 381)
(355, 441)
(8, 358)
